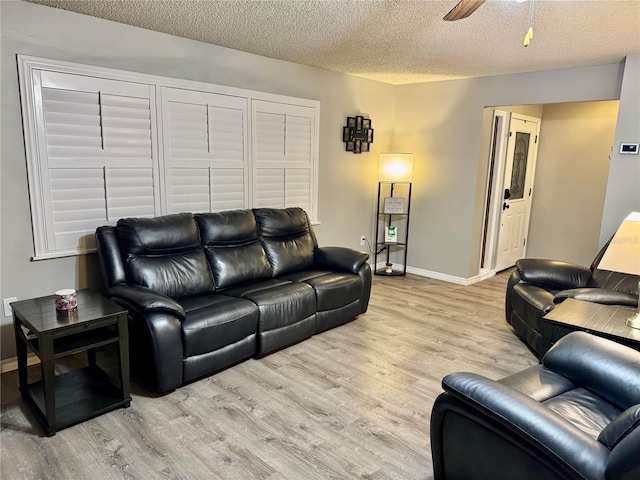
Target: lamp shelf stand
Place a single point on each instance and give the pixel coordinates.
(392, 222)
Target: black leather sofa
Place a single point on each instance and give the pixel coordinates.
(575, 416)
(537, 285)
(206, 291)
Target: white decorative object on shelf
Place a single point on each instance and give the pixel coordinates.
(393, 205)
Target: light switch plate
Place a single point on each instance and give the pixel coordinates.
(8, 311)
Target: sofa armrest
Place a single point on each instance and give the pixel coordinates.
(624, 461)
(156, 332)
(555, 273)
(535, 425)
(143, 299)
(621, 427)
(340, 258)
(598, 295)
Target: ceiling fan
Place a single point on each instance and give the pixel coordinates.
(463, 9)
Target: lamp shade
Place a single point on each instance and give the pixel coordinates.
(623, 253)
(396, 167)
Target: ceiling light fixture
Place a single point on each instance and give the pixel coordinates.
(529, 36)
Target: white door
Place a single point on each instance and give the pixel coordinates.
(522, 149)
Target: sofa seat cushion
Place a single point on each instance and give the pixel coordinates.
(335, 290)
(215, 321)
(287, 313)
(538, 382)
(587, 411)
(283, 305)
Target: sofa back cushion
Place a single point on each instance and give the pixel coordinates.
(287, 238)
(621, 282)
(606, 368)
(164, 254)
(232, 245)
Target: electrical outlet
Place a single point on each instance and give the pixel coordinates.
(363, 240)
(8, 311)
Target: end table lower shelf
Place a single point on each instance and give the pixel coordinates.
(80, 395)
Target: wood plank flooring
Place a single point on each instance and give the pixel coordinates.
(353, 402)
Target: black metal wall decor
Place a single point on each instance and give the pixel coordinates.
(357, 134)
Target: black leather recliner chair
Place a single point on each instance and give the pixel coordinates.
(206, 291)
(537, 285)
(575, 416)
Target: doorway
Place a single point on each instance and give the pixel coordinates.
(513, 154)
(571, 174)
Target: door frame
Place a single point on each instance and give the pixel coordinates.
(493, 198)
(501, 120)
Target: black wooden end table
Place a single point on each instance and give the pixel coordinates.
(63, 400)
(603, 320)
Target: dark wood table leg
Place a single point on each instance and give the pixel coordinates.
(49, 382)
(123, 357)
(91, 357)
(21, 354)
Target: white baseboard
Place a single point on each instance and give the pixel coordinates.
(10, 364)
(445, 277)
(481, 276)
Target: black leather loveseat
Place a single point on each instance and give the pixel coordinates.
(576, 416)
(206, 291)
(537, 285)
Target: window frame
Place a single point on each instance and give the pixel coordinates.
(30, 102)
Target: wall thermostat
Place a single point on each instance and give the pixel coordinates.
(629, 148)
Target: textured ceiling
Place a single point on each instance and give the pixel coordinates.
(393, 41)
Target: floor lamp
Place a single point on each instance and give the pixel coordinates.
(623, 255)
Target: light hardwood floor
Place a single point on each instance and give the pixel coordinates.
(353, 402)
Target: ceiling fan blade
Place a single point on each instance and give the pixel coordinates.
(463, 9)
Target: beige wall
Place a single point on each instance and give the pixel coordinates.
(347, 182)
(571, 180)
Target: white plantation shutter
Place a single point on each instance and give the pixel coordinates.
(205, 151)
(104, 144)
(96, 160)
(284, 152)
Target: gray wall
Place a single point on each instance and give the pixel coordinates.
(623, 187)
(571, 180)
(441, 123)
(347, 182)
